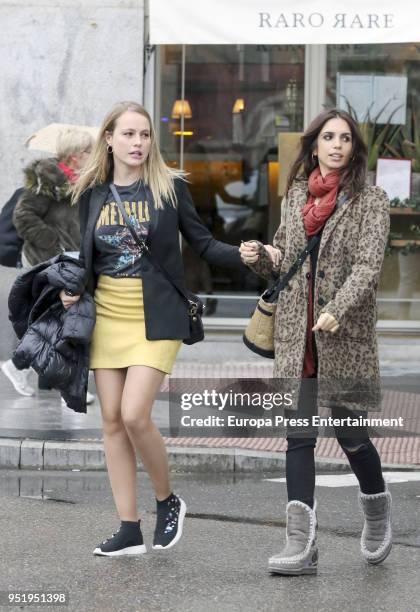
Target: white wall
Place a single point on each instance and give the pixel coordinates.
(60, 61)
(63, 61)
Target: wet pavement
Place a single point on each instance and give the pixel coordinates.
(51, 521)
(42, 417)
(233, 524)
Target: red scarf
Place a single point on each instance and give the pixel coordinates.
(326, 188)
(69, 172)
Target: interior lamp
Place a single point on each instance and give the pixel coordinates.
(238, 106)
(181, 107)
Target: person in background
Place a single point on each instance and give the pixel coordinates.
(10, 243)
(45, 219)
(11, 258)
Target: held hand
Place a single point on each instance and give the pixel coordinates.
(326, 322)
(274, 254)
(249, 252)
(68, 300)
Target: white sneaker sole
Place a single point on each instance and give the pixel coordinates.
(27, 392)
(182, 512)
(129, 551)
(89, 401)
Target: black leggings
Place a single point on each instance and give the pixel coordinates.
(359, 450)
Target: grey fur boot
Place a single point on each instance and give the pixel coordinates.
(376, 539)
(300, 555)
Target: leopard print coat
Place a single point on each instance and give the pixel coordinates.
(350, 258)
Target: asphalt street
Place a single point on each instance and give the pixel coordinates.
(50, 522)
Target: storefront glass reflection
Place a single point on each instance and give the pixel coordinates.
(237, 100)
(382, 84)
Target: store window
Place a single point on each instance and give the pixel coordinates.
(221, 109)
(381, 84)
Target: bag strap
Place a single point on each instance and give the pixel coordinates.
(272, 293)
(144, 249)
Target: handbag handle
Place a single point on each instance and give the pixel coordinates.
(144, 249)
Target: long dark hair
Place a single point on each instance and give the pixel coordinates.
(353, 176)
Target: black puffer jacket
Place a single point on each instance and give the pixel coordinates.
(44, 216)
(54, 341)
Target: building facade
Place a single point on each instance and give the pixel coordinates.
(61, 62)
(228, 113)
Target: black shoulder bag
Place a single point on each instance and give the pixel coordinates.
(193, 303)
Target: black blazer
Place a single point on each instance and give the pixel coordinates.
(165, 312)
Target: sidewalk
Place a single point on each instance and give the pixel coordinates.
(57, 438)
(53, 520)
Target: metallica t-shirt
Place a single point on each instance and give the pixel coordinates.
(117, 254)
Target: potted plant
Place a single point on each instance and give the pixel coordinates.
(396, 141)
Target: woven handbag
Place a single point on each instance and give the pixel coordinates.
(259, 334)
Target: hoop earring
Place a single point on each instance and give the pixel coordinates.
(109, 148)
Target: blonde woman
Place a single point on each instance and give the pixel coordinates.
(141, 319)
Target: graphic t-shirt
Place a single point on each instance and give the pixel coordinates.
(117, 254)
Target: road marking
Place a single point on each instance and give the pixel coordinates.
(350, 480)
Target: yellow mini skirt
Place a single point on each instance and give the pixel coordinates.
(119, 336)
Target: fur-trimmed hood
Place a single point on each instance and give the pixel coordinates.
(44, 177)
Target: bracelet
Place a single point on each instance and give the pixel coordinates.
(69, 293)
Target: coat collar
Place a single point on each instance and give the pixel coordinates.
(96, 200)
(300, 194)
(44, 177)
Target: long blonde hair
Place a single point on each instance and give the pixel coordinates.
(156, 174)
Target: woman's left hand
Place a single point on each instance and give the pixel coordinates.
(326, 322)
(249, 252)
(68, 300)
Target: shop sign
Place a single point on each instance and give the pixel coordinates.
(273, 22)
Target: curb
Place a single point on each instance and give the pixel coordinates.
(90, 456)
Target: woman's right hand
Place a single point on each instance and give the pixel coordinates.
(274, 254)
(249, 252)
(68, 300)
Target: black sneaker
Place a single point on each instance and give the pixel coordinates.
(169, 520)
(127, 541)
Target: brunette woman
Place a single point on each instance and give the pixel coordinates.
(325, 321)
(141, 318)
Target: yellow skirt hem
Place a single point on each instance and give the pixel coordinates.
(115, 366)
